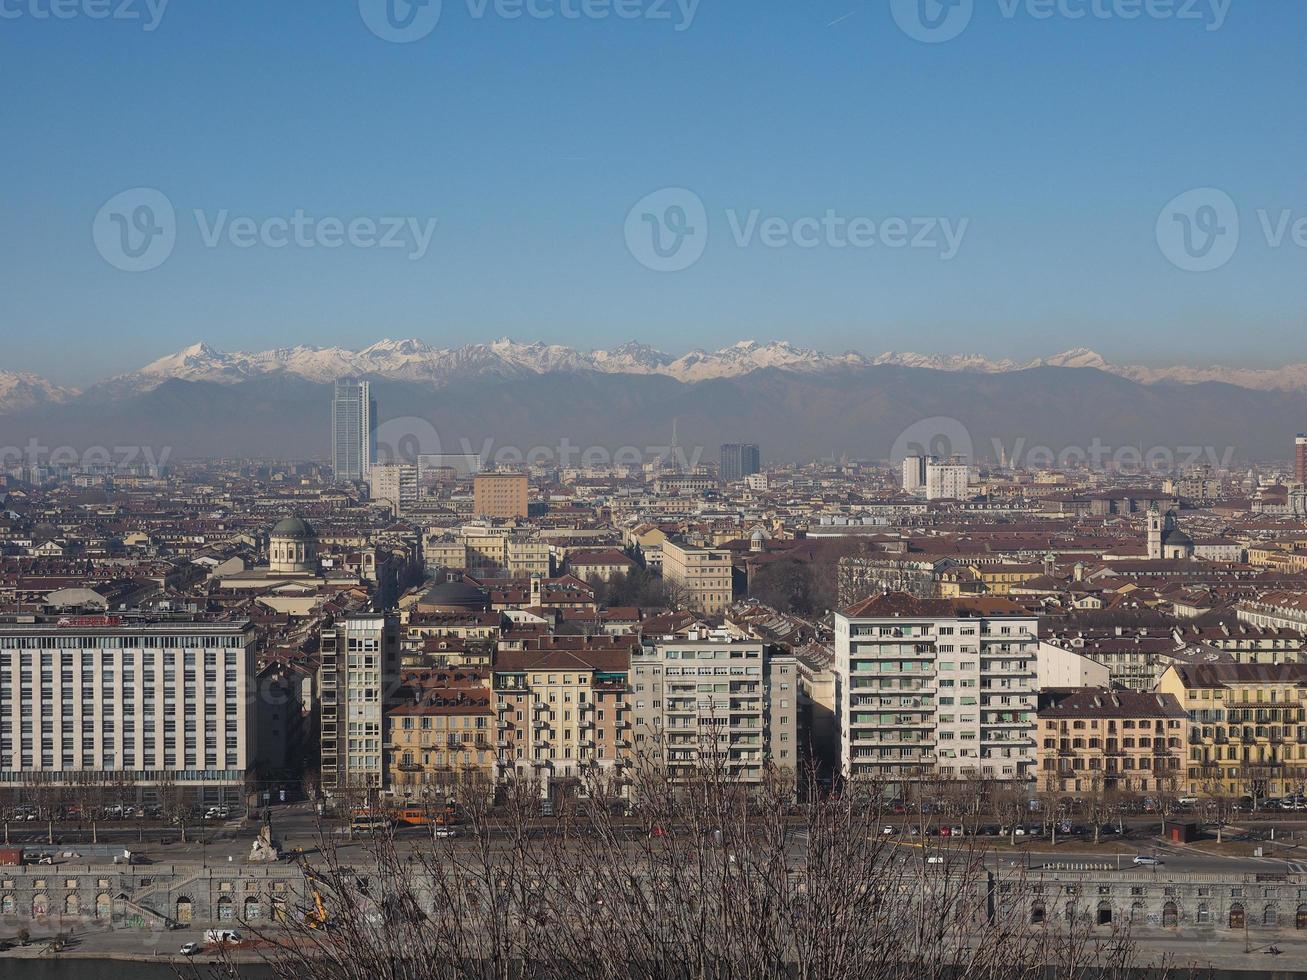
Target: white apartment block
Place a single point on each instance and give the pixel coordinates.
(395, 484)
(914, 473)
(932, 688)
(128, 705)
(360, 664)
(946, 481)
(713, 700)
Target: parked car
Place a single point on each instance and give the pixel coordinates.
(219, 937)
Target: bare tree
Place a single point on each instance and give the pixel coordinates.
(173, 804)
(1097, 803)
(1218, 804)
(708, 877)
(1011, 803)
(1257, 782)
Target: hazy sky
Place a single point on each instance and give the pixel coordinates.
(1007, 188)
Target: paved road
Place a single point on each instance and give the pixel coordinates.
(298, 825)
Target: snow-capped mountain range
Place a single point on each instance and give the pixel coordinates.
(20, 391)
(419, 362)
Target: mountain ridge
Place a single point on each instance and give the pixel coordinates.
(416, 361)
(796, 416)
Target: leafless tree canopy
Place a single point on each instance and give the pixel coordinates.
(694, 880)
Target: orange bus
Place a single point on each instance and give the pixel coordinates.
(420, 816)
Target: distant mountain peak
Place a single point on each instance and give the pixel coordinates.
(20, 391)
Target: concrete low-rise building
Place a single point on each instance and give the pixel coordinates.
(705, 575)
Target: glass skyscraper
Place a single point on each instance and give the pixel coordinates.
(739, 460)
(353, 429)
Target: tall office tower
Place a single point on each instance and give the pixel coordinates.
(914, 473)
(360, 663)
(1300, 459)
(353, 432)
(739, 460)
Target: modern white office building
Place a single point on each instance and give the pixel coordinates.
(128, 706)
(395, 484)
(935, 688)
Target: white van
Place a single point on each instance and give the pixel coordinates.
(219, 937)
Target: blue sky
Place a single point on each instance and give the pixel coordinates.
(1059, 141)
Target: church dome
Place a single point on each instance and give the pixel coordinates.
(293, 547)
(1177, 539)
(453, 596)
(295, 528)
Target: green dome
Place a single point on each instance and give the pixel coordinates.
(293, 527)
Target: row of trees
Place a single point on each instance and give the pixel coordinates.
(87, 799)
(714, 880)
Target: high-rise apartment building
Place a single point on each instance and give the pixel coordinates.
(360, 664)
(500, 495)
(1300, 459)
(936, 687)
(137, 706)
(739, 460)
(946, 481)
(712, 702)
(353, 430)
(395, 484)
(914, 473)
